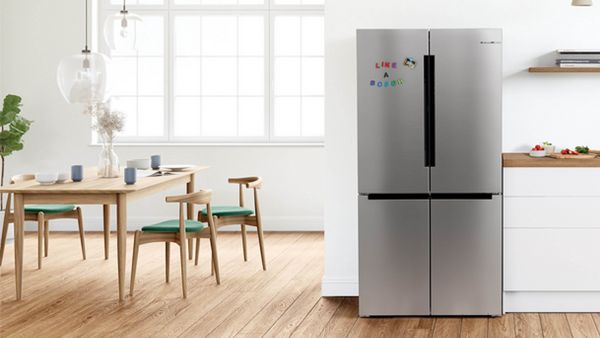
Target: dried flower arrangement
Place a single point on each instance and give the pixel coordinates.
(107, 123)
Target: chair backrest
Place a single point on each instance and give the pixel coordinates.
(200, 197)
(22, 178)
(252, 182)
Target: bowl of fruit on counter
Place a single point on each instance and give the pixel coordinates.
(537, 151)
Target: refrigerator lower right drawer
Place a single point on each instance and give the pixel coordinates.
(466, 257)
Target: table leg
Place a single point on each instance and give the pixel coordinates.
(19, 220)
(121, 241)
(190, 187)
(106, 220)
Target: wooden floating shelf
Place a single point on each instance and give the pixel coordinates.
(564, 70)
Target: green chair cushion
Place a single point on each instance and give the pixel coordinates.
(172, 225)
(49, 208)
(228, 210)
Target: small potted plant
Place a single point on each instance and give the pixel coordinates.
(549, 147)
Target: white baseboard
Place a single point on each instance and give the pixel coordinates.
(335, 287)
(135, 223)
(549, 301)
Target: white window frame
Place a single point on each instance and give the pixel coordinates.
(169, 10)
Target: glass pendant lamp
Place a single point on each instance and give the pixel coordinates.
(121, 30)
(82, 78)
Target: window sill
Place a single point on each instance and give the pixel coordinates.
(257, 144)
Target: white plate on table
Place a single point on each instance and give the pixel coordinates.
(177, 167)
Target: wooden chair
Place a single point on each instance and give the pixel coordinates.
(178, 231)
(228, 215)
(42, 213)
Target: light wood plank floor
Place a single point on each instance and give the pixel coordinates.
(70, 297)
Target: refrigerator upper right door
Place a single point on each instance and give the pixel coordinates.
(468, 110)
(391, 136)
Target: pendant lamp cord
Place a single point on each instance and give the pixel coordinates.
(124, 9)
(86, 27)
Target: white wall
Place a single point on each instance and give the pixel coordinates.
(563, 108)
(38, 33)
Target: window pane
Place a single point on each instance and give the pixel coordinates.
(219, 76)
(123, 76)
(128, 106)
(187, 116)
(151, 76)
(187, 76)
(313, 36)
(299, 2)
(137, 2)
(287, 116)
(287, 76)
(251, 116)
(219, 116)
(219, 35)
(313, 76)
(251, 76)
(287, 36)
(152, 40)
(219, 2)
(188, 2)
(151, 116)
(251, 35)
(313, 116)
(187, 35)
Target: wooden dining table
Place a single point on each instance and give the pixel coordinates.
(98, 191)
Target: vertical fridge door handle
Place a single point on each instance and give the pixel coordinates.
(432, 110)
(426, 71)
(429, 74)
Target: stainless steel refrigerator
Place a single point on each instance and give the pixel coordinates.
(429, 171)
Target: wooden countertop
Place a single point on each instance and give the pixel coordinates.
(523, 160)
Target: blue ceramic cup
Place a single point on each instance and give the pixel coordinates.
(155, 162)
(130, 175)
(77, 173)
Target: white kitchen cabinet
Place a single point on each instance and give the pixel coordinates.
(552, 239)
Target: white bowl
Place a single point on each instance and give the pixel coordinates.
(46, 178)
(62, 177)
(141, 163)
(537, 153)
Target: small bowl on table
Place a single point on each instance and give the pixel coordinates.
(46, 178)
(62, 177)
(538, 153)
(141, 163)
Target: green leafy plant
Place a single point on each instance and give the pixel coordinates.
(12, 128)
(582, 149)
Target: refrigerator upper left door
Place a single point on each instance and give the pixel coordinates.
(391, 135)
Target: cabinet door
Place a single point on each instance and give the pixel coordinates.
(393, 257)
(466, 257)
